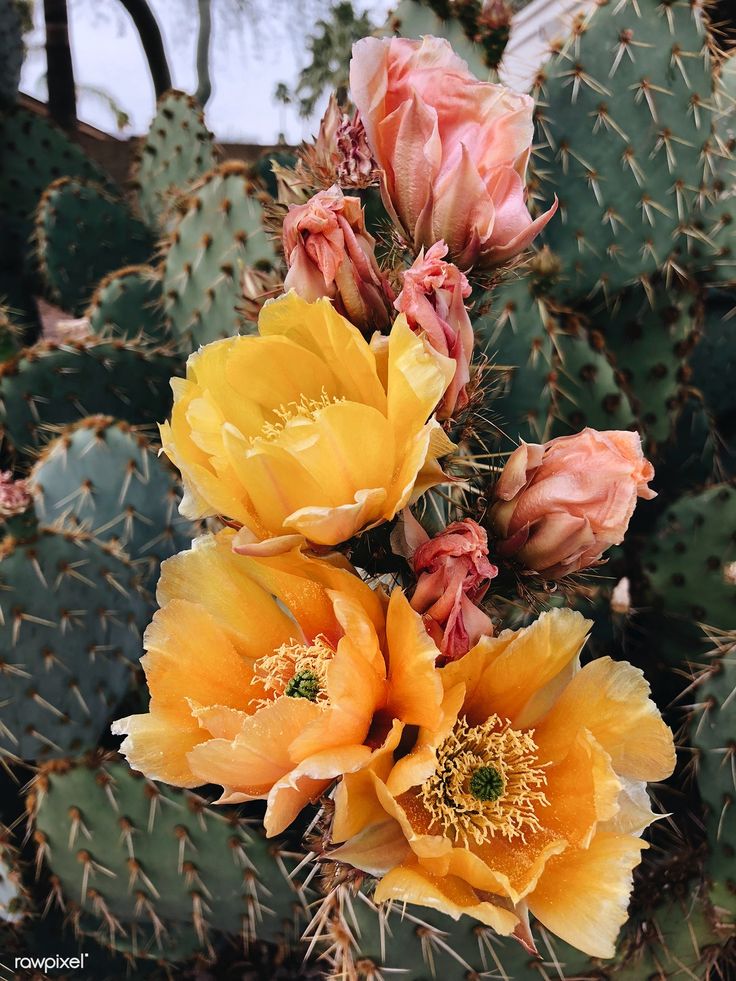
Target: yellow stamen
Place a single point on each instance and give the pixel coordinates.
(488, 781)
(277, 671)
(306, 408)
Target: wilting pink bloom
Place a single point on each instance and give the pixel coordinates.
(15, 496)
(330, 253)
(453, 573)
(432, 299)
(560, 505)
(340, 153)
(453, 151)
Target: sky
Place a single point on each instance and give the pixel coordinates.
(251, 55)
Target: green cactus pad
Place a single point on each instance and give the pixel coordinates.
(128, 303)
(51, 385)
(586, 390)
(711, 732)
(713, 362)
(12, 50)
(83, 232)
(33, 153)
(219, 234)
(72, 616)
(649, 335)
(514, 331)
(460, 22)
(156, 871)
(177, 150)
(625, 108)
(103, 476)
(688, 560)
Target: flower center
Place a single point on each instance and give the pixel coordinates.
(295, 671)
(488, 782)
(306, 408)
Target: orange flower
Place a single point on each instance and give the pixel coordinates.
(266, 675)
(530, 796)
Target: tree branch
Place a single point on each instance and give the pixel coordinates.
(204, 39)
(153, 45)
(59, 68)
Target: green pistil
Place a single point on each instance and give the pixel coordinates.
(486, 783)
(304, 684)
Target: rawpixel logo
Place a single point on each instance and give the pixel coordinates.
(50, 963)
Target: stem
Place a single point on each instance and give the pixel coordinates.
(153, 45)
(59, 71)
(204, 44)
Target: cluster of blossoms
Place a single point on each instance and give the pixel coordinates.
(473, 771)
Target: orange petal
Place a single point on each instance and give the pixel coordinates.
(504, 674)
(210, 575)
(375, 850)
(157, 744)
(611, 699)
(414, 686)
(190, 654)
(583, 894)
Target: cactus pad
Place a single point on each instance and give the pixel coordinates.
(177, 150)
(128, 303)
(83, 232)
(219, 234)
(155, 871)
(54, 384)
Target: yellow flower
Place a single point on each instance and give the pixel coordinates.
(267, 675)
(530, 796)
(307, 429)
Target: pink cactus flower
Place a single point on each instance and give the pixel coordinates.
(560, 505)
(432, 299)
(453, 151)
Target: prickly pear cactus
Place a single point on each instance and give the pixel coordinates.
(129, 304)
(103, 476)
(712, 727)
(689, 559)
(219, 234)
(33, 153)
(54, 384)
(177, 151)
(72, 615)
(477, 36)
(155, 871)
(625, 110)
(13, 21)
(83, 232)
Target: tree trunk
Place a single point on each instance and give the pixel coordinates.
(204, 41)
(59, 69)
(153, 45)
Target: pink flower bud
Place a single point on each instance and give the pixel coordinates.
(432, 299)
(561, 505)
(15, 496)
(453, 151)
(453, 573)
(330, 253)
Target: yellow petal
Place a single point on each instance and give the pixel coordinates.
(448, 894)
(611, 699)
(583, 894)
(319, 328)
(330, 525)
(417, 379)
(375, 850)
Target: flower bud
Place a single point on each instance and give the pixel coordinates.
(560, 505)
(330, 253)
(432, 299)
(453, 573)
